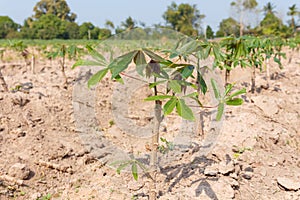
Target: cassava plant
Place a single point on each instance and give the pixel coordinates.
(63, 52)
(172, 70)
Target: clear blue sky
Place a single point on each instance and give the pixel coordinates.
(150, 11)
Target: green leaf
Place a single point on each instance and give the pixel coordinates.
(201, 83)
(228, 88)
(175, 86)
(152, 85)
(122, 166)
(119, 79)
(184, 111)
(242, 91)
(215, 88)
(220, 111)
(140, 62)
(234, 102)
(121, 63)
(96, 78)
(134, 171)
(96, 55)
(187, 71)
(158, 97)
(153, 55)
(87, 63)
(170, 105)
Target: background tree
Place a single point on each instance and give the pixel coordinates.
(269, 8)
(49, 27)
(58, 8)
(109, 25)
(242, 7)
(271, 24)
(184, 18)
(228, 27)
(293, 11)
(128, 24)
(209, 33)
(7, 26)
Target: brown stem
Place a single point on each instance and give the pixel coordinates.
(154, 147)
(2, 81)
(63, 71)
(227, 76)
(253, 80)
(268, 71)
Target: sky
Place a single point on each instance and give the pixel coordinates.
(149, 12)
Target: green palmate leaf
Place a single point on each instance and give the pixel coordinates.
(239, 92)
(184, 111)
(153, 55)
(170, 105)
(201, 83)
(87, 63)
(122, 166)
(175, 86)
(134, 171)
(234, 102)
(96, 78)
(187, 71)
(215, 88)
(158, 97)
(121, 63)
(220, 111)
(96, 55)
(140, 62)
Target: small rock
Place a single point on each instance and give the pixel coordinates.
(135, 185)
(247, 175)
(19, 171)
(288, 184)
(226, 169)
(18, 132)
(211, 170)
(35, 196)
(267, 104)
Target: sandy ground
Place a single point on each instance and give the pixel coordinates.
(255, 152)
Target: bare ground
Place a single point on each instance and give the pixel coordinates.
(256, 154)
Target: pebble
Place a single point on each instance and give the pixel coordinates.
(211, 170)
(288, 183)
(226, 169)
(19, 171)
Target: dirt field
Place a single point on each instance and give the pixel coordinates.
(45, 155)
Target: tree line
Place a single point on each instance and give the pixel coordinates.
(53, 19)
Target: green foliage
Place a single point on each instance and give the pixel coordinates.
(166, 146)
(184, 18)
(209, 33)
(226, 98)
(228, 27)
(130, 162)
(58, 8)
(7, 26)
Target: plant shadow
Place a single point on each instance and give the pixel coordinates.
(179, 172)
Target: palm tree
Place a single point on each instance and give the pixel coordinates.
(269, 8)
(109, 24)
(128, 24)
(293, 11)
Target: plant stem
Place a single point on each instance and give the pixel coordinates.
(253, 80)
(154, 146)
(2, 81)
(268, 71)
